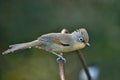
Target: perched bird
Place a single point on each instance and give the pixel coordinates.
(56, 42)
(94, 71)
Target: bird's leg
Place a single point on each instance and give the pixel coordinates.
(59, 57)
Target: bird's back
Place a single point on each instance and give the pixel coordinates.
(57, 42)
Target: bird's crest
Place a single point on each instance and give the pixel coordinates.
(82, 32)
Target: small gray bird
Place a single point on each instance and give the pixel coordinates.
(56, 42)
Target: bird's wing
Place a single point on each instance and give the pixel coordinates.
(63, 39)
(57, 38)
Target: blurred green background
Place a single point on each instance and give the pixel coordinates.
(25, 20)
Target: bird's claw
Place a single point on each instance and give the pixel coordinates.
(61, 58)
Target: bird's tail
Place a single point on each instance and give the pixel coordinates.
(16, 47)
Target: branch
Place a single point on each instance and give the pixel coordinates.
(84, 65)
(61, 62)
(61, 70)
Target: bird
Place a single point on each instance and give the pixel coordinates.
(56, 43)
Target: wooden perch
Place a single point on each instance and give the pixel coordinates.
(83, 63)
(61, 62)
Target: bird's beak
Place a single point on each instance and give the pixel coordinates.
(87, 44)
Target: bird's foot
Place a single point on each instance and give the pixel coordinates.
(61, 58)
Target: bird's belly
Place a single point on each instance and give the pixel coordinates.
(61, 48)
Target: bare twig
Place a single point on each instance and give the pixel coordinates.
(61, 63)
(61, 70)
(84, 65)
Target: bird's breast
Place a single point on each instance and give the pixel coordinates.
(78, 45)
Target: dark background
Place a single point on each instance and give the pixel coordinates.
(25, 20)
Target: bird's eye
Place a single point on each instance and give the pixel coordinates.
(80, 39)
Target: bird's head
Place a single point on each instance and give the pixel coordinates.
(81, 35)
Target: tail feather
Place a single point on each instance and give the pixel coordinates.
(16, 47)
